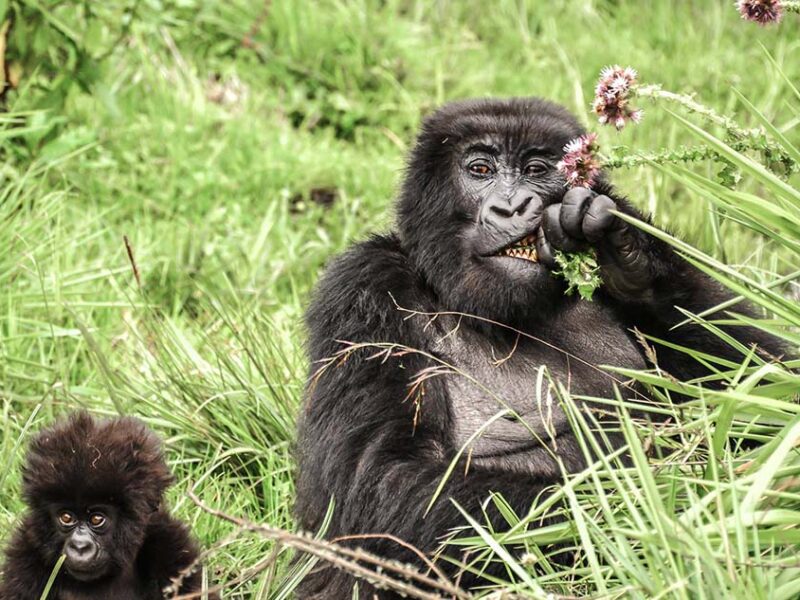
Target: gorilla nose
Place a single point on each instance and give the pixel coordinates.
(80, 549)
(505, 212)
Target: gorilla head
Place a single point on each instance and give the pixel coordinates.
(471, 205)
(92, 486)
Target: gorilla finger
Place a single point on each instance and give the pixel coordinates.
(574, 206)
(544, 251)
(622, 239)
(599, 219)
(558, 238)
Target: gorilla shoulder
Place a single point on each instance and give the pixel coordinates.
(357, 298)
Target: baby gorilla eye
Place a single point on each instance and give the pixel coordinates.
(536, 167)
(480, 168)
(67, 519)
(97, 520)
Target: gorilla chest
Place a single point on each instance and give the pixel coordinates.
(125, 593)
(522, 377)
(125, 586)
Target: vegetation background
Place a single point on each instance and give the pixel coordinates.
(239, 144)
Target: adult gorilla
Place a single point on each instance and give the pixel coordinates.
(482, 208)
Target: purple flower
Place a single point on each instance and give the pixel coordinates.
(762, 12)
(612, 97)
(579, 165)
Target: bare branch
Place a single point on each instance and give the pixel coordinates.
(380, 572)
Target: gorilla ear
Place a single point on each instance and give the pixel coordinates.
(159, 480)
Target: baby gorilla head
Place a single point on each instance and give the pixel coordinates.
(92, 486)
(478, 180)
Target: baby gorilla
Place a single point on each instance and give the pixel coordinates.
(94, 491)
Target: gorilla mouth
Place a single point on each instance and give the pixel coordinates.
(83, 573)
(524, 249)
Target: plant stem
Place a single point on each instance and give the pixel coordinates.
(619, 160)
(689, 103)
(753, 139)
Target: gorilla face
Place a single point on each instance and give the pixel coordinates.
(85, 535)
(510, 187)
(470, 212)
(91, 487)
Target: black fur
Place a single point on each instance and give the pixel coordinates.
(380, 454)
(114, 464)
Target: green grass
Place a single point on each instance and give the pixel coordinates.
(209, 350)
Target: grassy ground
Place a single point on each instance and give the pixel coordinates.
(212, 134)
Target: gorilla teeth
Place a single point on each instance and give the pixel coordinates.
(524, 248)
(524, 253)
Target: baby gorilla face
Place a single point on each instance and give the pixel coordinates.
(94, 491)
(85, 532)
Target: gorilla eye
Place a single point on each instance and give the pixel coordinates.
(480, 168)
(536, 167)
(97, 520)
(67, 519)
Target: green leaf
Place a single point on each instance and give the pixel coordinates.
(580, 270)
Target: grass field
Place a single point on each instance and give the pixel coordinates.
(238, 145)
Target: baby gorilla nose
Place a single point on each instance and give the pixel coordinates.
(80, 549)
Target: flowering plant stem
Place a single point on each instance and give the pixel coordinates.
(689, 103)
(757, 138)
(582, 162)
(621, 159)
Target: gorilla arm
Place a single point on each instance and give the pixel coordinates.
(645, 278)
(24, 574)
(381, 469)
(168, 550)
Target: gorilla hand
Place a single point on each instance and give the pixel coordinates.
(584, 218)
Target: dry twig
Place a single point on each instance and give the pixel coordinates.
(378, 571)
